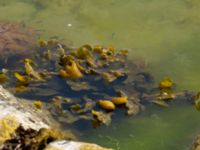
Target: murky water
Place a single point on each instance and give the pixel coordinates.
(154, 129)
(166, 34)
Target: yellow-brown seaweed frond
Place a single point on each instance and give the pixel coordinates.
(52, 42)
(8, 125)
(45, 136)
(197, 104)
(101, 118)
(71, 71)
(98, 49)
(84, 52)
(42, 42)
(166, 94)
(106, 104)
(3, 78)
(65, 59)
(119, 100)
(112, 75)
(166, 83)
(165, 87)
(196, 100)
(63, 73)
(23, 79)
(47, 55)
(31, 72)
(38, 104)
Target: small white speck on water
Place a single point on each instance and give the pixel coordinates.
(69, 24)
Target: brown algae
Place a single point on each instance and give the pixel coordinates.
(92, 76)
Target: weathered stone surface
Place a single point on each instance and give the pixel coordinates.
(23, 112)
(71, 145)
(20, 114)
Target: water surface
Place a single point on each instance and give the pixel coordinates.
(166, 34)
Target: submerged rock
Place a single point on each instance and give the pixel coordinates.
(16, 41)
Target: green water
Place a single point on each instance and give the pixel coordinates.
(165, 33)
(155, 129)
(169, 129)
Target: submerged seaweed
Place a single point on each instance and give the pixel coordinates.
(85, 83)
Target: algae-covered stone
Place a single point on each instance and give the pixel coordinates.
(8, 125)
(31, 128)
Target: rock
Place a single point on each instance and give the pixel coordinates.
(22, 111)
(16, 41)
(22, 126)
(71, 145)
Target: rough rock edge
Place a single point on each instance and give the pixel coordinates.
(18, 112)
(26, 116)
(71, 145)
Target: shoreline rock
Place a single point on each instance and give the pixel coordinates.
(30, 128)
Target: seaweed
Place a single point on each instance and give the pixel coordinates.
(87, 83)
(34, 140)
